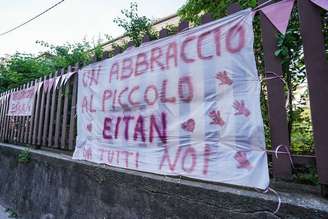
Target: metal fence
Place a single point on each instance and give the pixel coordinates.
(53, 121)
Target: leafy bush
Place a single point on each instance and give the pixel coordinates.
(24, 156)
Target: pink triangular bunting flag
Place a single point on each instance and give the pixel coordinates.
(64, 79)
(57, 79)
(322, 3)
(279, 14)
(70, 75)
(39, 86)
(48, 84)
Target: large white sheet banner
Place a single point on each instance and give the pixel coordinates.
(21, 102)
(184, 105)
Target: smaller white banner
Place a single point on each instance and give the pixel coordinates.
(21, 102)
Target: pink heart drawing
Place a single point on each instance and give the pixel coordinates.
(89, 127)
(189, 125)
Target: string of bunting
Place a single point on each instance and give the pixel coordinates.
(279, 13)
(55, 81)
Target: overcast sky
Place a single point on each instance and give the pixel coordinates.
(71, 21)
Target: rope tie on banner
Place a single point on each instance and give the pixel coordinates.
(280, 77)
(277, 150)
(269, 189)
(282, 152)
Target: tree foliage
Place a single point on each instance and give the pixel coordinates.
(193, 9)
(134, 25)
(21, 68)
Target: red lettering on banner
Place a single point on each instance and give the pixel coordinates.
(131, 101)
(156, 54)
(153, 125)
(171, 52)
(123, 158)
(166, 156)
(186, 91)
(207, 154)
(179, 157)
(84, 105)
(114, 71)
(217, 40)
(191, 152)
(127, 154)
(146, 95)
(110, 156)
(102, 151)
(183, 48)
(92, 110)
(118, 157)
(107, 128)
(165, 99)
(91, 77)
(137, 160)
(141, 64)
(114, 99)
(123, 105)
(200, 46)
(127, 69)
(127, 99)
(87, 104)
(23, 94)
(117, 126)
(87, 153)
(231, 35)
(127, 119)
(106, 95)
(139, 129)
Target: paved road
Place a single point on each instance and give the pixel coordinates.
(3, 213)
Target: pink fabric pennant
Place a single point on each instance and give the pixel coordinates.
(63, 80)
(70, 75)
(48, 84)
(57, 79)
(322, 3)
(39, 86)
(279, 14)
(66, 77)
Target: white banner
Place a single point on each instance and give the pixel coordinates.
(21, 102)
(184, 105)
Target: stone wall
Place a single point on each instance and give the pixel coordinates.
(53, 185)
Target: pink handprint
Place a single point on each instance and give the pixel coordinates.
(243, 162)
(87, 154)
(224, 78)
(216, 118)
(241, 108)
(189, 125)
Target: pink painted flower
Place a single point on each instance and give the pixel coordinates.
(224, 78)
(89, 127)
(243, 162)
(216, 118)
(241, 108)
(189, 125)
